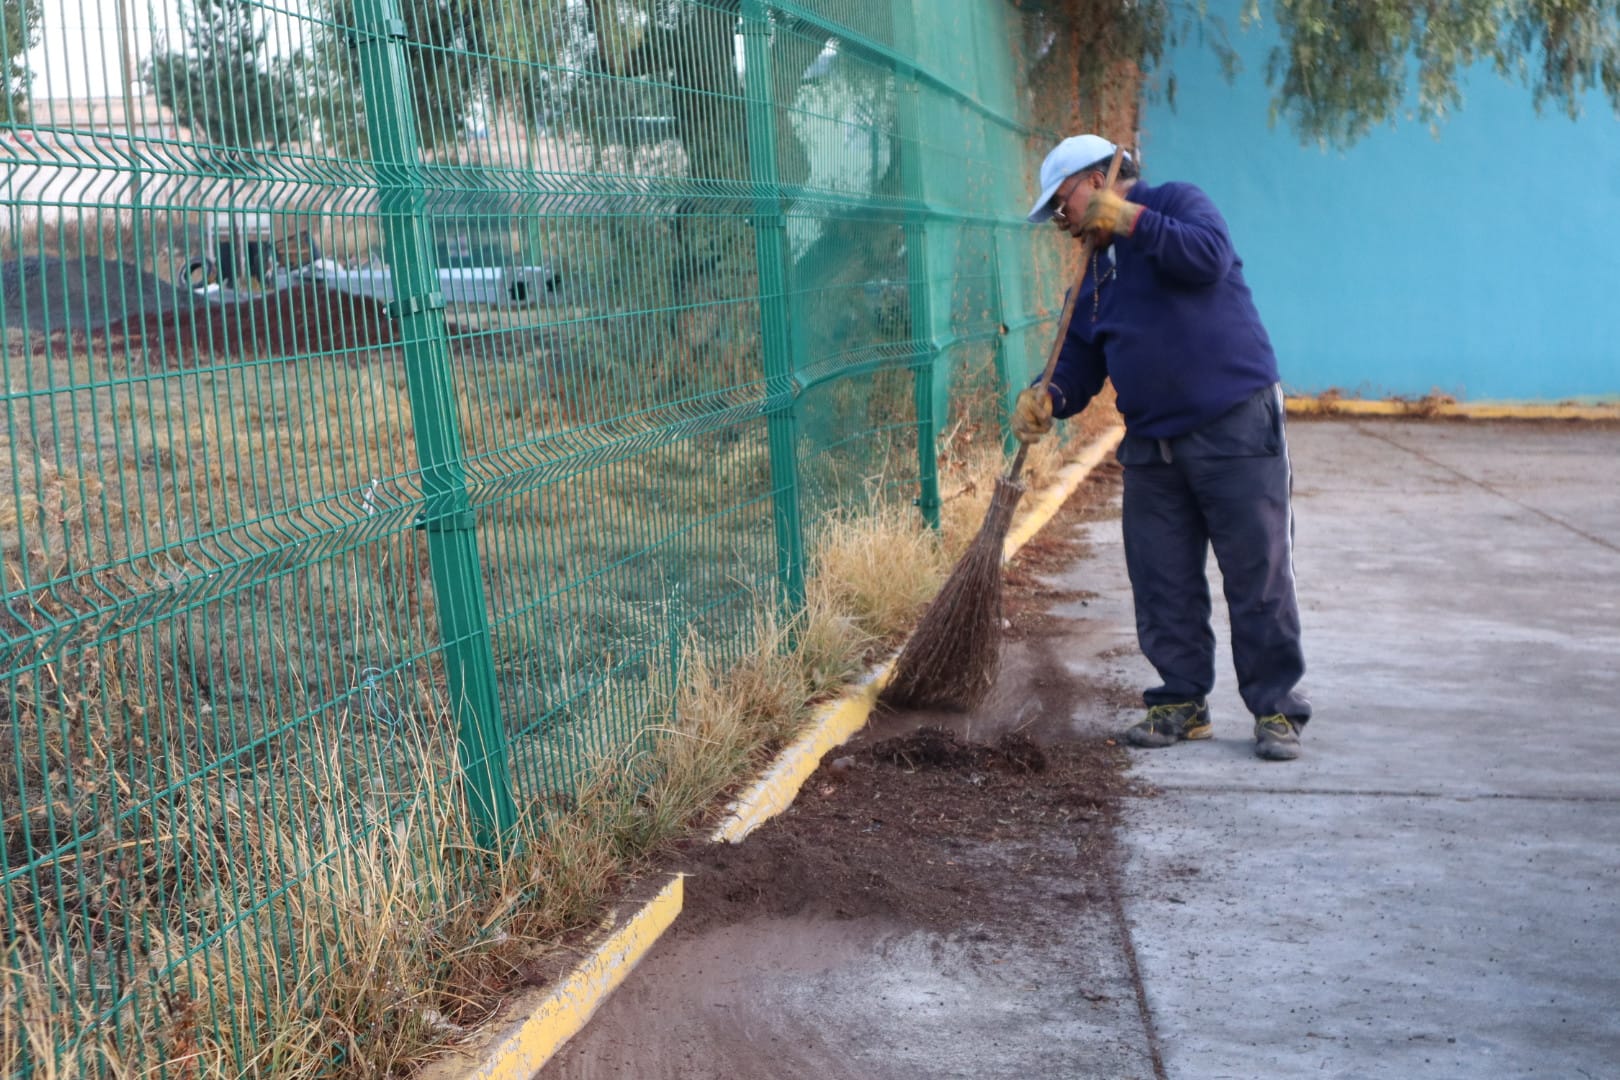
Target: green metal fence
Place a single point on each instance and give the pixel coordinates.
(383, 370)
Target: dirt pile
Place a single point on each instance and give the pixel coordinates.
(301, 320)
(938, 823)
(937, 748)
(906, 829)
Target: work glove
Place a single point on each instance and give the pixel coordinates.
(1108, 213)
(1032, 415)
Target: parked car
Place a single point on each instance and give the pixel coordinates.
(245, 257)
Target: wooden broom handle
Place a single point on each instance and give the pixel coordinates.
(1068, 313)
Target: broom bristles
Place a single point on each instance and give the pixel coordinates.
(953, 656)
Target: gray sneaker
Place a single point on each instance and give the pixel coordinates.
(1166, 725)
(1276, 738)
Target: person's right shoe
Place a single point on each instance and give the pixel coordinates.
(1275, 738)
(1166, 725)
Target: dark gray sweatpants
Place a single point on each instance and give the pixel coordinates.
(1225, 485)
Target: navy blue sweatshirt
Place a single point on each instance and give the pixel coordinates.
(1175, 326)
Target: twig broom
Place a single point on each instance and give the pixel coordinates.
(952, 658)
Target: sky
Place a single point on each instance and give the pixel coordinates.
(78, 55)
(78, 52)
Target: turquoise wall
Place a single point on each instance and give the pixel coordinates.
(1484, 263)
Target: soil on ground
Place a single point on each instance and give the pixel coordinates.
(877, 829)
(990, 834)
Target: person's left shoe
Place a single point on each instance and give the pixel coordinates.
(1276, 738)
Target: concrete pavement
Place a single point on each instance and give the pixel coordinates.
(1432, 892)
(1434, 889)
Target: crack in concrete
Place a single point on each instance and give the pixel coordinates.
(1483, 486)
(1372, 793)
(1127, 945)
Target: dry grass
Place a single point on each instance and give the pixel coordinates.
(395, 928)
(881, 567)
(111, 470)
(247, 852)
(364, 925)
(125, 483)
(97, 234)
(326, 897)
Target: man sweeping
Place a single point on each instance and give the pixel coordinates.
(1164, 312)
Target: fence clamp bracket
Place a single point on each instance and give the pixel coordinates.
(461, 521)
(393, 30)
(416, 305)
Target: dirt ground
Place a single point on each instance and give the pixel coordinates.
(881, 927)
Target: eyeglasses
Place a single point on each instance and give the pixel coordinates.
(1060, 216)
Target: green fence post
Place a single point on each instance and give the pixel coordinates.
(418, 308)
(918, 287)
(770, 254)
(919, 282)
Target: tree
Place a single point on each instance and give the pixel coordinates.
(19, 30)
(1343, 68)
(223, 83)
(449, 44)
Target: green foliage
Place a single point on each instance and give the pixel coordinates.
(222, 83)
(684, 47)
(19, 29)
(1343, 69)
(451, 76)
(608, 69)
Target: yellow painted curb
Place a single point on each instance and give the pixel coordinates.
(520, 1051)
(1051, 500)
(1310, 406)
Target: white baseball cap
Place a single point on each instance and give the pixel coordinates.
(1074, 154)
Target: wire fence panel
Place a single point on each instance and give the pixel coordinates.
(394, 388)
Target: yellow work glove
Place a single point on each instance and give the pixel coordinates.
(1032, 414)
(1108, 212)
